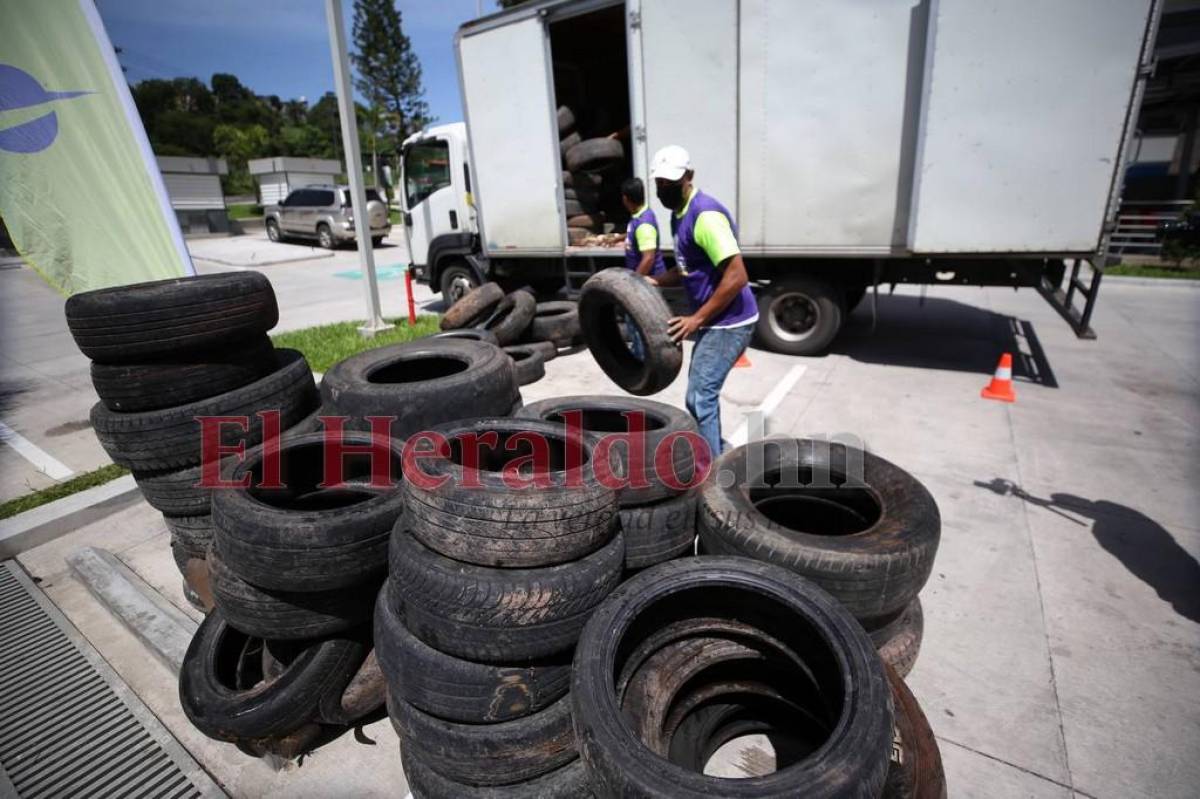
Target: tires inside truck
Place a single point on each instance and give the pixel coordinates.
(591, 88)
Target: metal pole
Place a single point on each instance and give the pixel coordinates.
(358, 194)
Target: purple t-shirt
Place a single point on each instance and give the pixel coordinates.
(700, 274)
(633, 255)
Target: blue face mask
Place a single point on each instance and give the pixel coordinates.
(670, 195)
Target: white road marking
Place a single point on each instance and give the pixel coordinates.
(44, 461)
(769, 403)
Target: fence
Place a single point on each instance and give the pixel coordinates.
(1136, 232)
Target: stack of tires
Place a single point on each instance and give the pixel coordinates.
(590, 192)
(860, 527)
(296, 567)
(487, 592)
(654, 444)
(530, 332)
(167, 353)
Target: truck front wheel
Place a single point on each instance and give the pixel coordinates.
(456, 281)
(800, 316)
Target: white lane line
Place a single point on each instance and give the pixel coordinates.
(44, 461)
(769, 403)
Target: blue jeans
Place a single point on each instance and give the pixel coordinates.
(716, 351)
(636, 347)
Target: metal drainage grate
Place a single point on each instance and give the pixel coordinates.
(68, 725)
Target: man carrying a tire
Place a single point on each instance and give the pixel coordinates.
(708, 262)
(641, 247)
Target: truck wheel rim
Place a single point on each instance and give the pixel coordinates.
(459, 286)
(794, 316)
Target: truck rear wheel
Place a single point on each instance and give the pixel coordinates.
(456, 281)
(800, 315)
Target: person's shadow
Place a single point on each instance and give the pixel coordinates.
(1143, 545)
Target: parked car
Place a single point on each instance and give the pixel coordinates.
(324, 213)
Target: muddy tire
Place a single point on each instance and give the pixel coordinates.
(474, 308)
(916, 770)
(462, 690)
(365, 694)
(511, 317)
(567, 782)
(162, 318)
(556, 321)
(529, 363)
(593, 155)
(659, 532)
(609, 296)
(498, 615)
(504, 753)
(871, 547)
(468, 333)
(899, 640)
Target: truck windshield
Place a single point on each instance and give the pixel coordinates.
(426, 169)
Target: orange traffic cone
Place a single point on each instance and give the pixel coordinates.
(742, 362)
(1001, 387)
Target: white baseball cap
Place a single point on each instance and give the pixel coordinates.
(670, 163)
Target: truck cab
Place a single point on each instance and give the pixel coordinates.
(439, 214)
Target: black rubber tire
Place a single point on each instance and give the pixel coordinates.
(473, 309)
(376, 241)
(572, 207)
(303, 538)
(469, 333)
(511, 317)
(529, 364)
(290, 616)
(851, 764)
(222, 708)
(566, 782)
(828, 300)
(592, 155)
(566, 120)
(461, 690)
(504, 753)
(483, 385)
(603, 416)
(659, 532)
(875, 571)
(587, 195)
(169, 438)
(567, 142)
(899, 640)
(364, 695)
(576, 236)
(476, 516)
(151, 385)
(325, 237)
(585, 180)
(498, 615)
(273, 232)
(454, 273)
(193, 534)
(160, 319)
(593, 222)
(605, 297)
(548, 349)
(177, 493)
(916, 770)
(556, 321)
(855, 295)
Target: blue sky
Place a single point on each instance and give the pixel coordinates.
(275, 46)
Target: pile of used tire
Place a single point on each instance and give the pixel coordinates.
(591, 167)
(164, 354)
(530, 332)
(860, 527)
(487, 592)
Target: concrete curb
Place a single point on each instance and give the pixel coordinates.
(47, 522)
(1157, 282)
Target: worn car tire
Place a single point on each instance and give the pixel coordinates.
(659, 532)
(871, 547)
(556, 321)
(469, 333)
(665, 426)
(592, 155)
(422, 383)
(170, 438)
(289, 615)
(566, 120)
(503, 753)
(593, 222)
(303, 537)
(474, 308)
(188, 377)
(577, 236)
(565, 782)
(568, 141)
(225, 702)
(547, 349)
(899, 640)
(606, 299)
(529, 363)
(851, 763)
(194, 534)
(461, 690)
(498, 615)
(916, 770)
(364, 694)
(476, 516)
(511, 317)
(144, 321)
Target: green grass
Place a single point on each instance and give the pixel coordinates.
(73, 486)
(395, 216)
(244, 211)
(325, 345)
(1189, 271)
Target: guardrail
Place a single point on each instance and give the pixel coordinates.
(1136, 232)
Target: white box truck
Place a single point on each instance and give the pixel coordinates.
(857, 143)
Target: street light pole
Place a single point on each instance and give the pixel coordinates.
(358, 194)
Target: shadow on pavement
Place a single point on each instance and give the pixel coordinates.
(1143, 545)
(943, 334)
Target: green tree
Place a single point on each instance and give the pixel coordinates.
(389, 74)
(239, 145)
